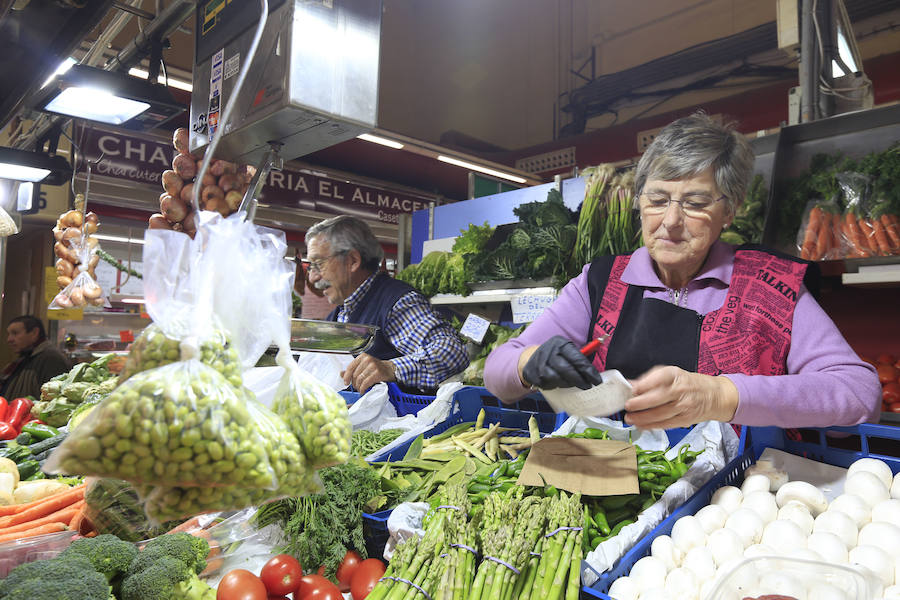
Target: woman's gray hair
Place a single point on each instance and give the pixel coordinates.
(345, 233)
(691, 145)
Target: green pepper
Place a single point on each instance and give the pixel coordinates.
(479, 497)
(650, 501)
(653, 468)
(475, 488)
(619, 526)
(596, 541)
(550, 491)
(652, 486)
(592, 433)
(601, 522)
(613, 502)
(613, 517)
(39, 431)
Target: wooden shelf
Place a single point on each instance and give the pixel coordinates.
(491, 296)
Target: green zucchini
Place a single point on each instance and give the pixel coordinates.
(48, 444)
(28, 468)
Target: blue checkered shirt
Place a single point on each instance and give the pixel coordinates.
(431, 350)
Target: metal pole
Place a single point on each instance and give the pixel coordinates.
(809, 74)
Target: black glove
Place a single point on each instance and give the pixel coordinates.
(558, 363)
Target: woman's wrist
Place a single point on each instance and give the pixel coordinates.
(524, 357)
(728, 399)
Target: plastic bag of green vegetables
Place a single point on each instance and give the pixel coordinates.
(153, 348)
(315, 413)
(179, 424)
(113, 506)
(292, 473)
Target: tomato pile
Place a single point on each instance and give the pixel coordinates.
(889, 376)
(283, 575)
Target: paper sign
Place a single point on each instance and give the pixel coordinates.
(526, 308)
(601, 400)
(126, 335)
(50, 286)
(475, 327)
(66, 314)
(590, 467)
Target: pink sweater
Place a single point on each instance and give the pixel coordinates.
(827, 383)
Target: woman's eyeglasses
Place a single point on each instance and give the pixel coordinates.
(693, 205)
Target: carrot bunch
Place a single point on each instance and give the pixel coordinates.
(871, 236)
(821, 239)
(48, 515)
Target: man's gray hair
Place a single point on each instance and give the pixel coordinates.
(691, 145)
(345, 233)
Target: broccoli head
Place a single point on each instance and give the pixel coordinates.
(62, 578)
(108, 554)
(189, 549)
(165, 579)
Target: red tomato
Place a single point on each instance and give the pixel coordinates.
(886, 358)
(278, 598)
(348, 567)
(366, 577)
(281, 575)
(891, 392)
(321, 571)
(887, 373)
(241, 584)
(316, 587)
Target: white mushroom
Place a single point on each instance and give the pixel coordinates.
(648, 572)
(762, 503)
(747, 524)
(829, 546)
(798, 513)
(882, 535)
(728, 497)
(887, 511)
(854, 507)
(664, 549)
(879, 468)
(784, 535)
(755, 483)
(724, 544)
(687, 533)
(839, 524)
(875, 560)
(804, 492)
(868, 487)
(712, 517)
(776, 477)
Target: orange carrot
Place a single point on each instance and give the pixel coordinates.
(855, 235)
(892, 230)
(808, 247)
(45, 507)
(17, 508)
(41, 530)
(837, 229)
(881, 236)
(869, 235)
(188, 526)
(61, 516)
(823, 241)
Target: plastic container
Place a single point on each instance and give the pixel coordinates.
(838, 446)
(407, 404)
(350, 397)
(794, 577)
(39, 547)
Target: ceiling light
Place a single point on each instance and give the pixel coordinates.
(171, 82)
(115, 238)
(480, 169)
(63, 67)
(133, 301)
(380, 140)
(108, 97)
(23, 165)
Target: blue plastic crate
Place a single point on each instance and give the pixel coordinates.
(376, 532)
(407, 404)
(468, 401)
(754, 440)
(350, 397)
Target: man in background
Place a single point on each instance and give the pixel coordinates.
(37, 360)
(414, 346)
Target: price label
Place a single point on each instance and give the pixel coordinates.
(527, 308)
(66, 314)
(475, 327)
(126, 336)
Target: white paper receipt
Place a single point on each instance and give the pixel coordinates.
(599, 401)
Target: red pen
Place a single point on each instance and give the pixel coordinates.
(593, 345)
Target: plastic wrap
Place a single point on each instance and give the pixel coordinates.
(112, 506)
(821, 232)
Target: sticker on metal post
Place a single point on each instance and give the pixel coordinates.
(475, 327)
(215, 92)
(526, 308)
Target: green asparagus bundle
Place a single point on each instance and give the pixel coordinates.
(558, 572)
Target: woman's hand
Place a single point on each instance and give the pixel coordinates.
(666, 397)
(557, 363)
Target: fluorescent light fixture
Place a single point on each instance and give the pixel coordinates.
(96, 105)
(133, 301)
(115, 238)
(63, 67)
(175, 83)
(23, 165)
(108, 97)
(380, 140)
(25, 197)
(480, 169)
(21, 173)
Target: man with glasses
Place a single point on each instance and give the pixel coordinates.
(414, 346)
(705, 330)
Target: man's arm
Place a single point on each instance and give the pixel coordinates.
(432, 351)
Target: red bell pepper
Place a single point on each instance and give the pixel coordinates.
(7, 431)
(4, 406)
(18, 412)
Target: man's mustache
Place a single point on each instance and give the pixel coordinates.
(322, 284)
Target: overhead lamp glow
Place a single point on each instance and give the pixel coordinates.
(133, 301)
(63, 67)
(35, 167)
(480, 169)
(171, 81)
(109, 97)
(380, 140)
(22, 173)
(115, 238)
(96, 105)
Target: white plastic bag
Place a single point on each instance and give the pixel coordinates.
(326, 367)
(372, 409)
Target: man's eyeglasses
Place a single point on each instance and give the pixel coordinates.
(316, 266)
(693, 205)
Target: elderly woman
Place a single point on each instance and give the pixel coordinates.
(705, 330)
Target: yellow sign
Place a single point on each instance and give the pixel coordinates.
(66, 314)
(50, 287)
